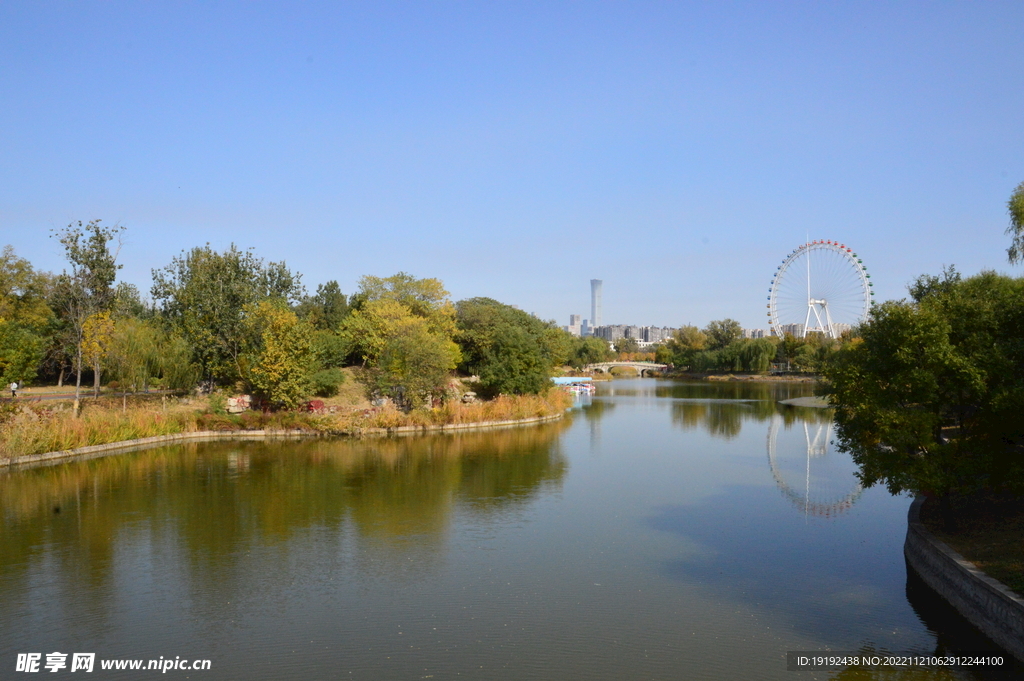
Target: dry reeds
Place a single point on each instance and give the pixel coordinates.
(35, 429)
(38, 429)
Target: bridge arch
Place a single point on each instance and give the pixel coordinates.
(642, 368)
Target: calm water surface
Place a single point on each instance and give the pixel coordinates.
(666, 530)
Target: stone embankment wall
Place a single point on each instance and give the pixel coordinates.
(994, 609)
(210, 435)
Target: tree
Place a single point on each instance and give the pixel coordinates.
(402, 329)
(367, 329)
(588, 350)
(128, 302)
(137, 351)
(97, 336)
(627, 345)
(413, 365)
(325, 310)
(203, 294)
(721, 333)
(929, 398)
(426, 298)
(25, 317)
(512, 352)
(23, 292)
(556, 343)
(1015, 207)
(88, 288)
(21, 351)
(757, 354)
(684, 344)
(279, 357)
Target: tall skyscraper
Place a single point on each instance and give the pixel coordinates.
(595, 302)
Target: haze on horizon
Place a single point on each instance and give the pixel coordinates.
(677, 151)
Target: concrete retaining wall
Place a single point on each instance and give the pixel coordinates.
(986, 603)
(210, 435)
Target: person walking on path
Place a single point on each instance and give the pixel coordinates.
(14, 389)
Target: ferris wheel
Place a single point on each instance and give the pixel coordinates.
(821, 286)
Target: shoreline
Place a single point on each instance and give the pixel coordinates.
(743, 377)
(95, 451)
(985, 602)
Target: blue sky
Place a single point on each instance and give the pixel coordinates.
(678, 151)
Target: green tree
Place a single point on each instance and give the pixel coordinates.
(414, 364)
(25, 317)
(128, 302)
(136, 352)
(389, 317)
(929, 398)
(627, 345)
(721, 333)
(556, 342)
(87, 288)
(757, 354)
(325, 310)
(278, 358)
(512, 352)
(21, 351)
(1015, 207)
(204, 294)
(588, 350)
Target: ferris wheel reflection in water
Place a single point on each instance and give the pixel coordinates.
(816, 478)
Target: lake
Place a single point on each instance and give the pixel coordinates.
(663, 530)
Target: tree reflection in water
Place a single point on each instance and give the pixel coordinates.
(802, 460)
(217, 501)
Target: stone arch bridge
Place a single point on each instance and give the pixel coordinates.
(642, 368)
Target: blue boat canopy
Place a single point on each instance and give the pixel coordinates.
(569, 380)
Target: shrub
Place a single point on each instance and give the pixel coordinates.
(218, 404)
(326, 382)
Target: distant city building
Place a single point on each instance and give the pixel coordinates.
(658, 334)
(757, 333)
(586, 329)
(575, 325)
(645, 336)
(610, 333)
(595, 302)
(797, 330)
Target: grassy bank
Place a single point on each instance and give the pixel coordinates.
(989, 533)
(34, 428)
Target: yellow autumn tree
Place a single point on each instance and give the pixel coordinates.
(97, 338)
(279, 358)
(403, 328)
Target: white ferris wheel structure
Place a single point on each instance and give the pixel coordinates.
(820, 287)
